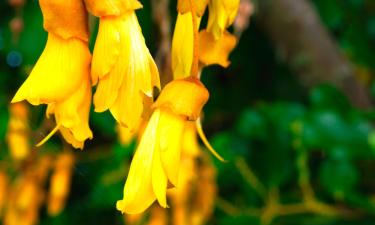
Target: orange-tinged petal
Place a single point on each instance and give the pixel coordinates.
(188, 102)
(4, 189)
(111, 7)
(66, 18)
(58, 72)
(183, 6)
(216, 51)
(138, 190)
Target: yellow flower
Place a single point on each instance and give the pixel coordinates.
(18, 132)
(65, 18)
(60, 183)
(183, 37)
(122, 65)
(183, 6)
(103, 8)
(60, 77)
(182, 46)
(157, 158)
(222, 15)
(215, 51)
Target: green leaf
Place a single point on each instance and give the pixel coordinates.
(338, 177)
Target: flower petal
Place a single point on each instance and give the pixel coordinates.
(182, 46)
(159, 178)
(107, 48)
(58, 72)
(216, 51)
(171, 130)
(111, 7)
(138, 190)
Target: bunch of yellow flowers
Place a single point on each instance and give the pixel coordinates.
(125, 75)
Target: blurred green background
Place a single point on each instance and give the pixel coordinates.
(272, 128)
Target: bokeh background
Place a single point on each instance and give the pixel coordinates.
(293, 116)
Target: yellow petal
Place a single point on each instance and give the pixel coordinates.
(222, 15)
(73, 114)
(171, 129)
(188, 102)
(111, 7)
(128, 107)
(66, 18)
(58, 72)
(159, 178)
(107, 48)
(124, 88)
(183, 6)
(190, 144)
(138, 190)
(182, 46)
(215, 51)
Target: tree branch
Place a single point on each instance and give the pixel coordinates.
(298, 34)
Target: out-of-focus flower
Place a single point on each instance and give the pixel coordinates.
(222, 15)
(158, 216)
(157, 159)
(205, 193)
(122, 64)
(24, 203)
(193, 200)
(60, 183)
(4, 188)
(18, 131)
(60, 78)
(26, 194)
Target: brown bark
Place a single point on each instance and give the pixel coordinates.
(160, 13)
(299, 35)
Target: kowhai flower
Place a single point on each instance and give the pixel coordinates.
(222, 15)
(156, 161)
(18, 131)
(183, 37)
(215, 51)
(60, 77)
(122, 65)
(60, 183)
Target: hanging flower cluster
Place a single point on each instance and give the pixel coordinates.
(61, 76)
(126, 78)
